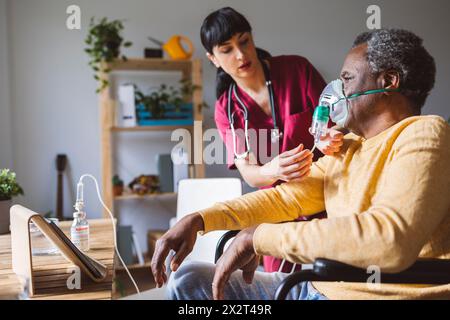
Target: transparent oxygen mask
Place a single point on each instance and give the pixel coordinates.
(334, 98)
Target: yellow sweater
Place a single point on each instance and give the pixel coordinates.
(387, 200)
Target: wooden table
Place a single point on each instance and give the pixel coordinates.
(51, 271)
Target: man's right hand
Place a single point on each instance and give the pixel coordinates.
(181, 239)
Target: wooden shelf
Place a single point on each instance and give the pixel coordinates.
(149, 128)
(131, 196)
(190, 70)
(150, 64)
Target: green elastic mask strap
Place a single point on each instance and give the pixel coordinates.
(365, 93)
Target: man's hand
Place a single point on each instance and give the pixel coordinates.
(239, 255)
(331, 143)
(181, 238)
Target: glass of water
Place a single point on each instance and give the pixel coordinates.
(40, 245)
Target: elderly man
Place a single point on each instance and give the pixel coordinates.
(386, 192)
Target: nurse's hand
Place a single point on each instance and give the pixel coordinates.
(181, 239)
(292, 165)
(331, 143)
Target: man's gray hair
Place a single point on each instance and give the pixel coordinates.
(401, 51)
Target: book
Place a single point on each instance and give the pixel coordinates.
(165, 172)
(94, 269)
(180, 160)
(127, 106)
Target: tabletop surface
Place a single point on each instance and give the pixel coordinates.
(51, 271)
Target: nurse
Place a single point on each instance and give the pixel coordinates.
(264, 107)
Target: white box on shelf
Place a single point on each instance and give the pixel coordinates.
(127, 107)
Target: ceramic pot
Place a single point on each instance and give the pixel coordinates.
(5, 205)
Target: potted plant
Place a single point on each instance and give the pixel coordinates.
(117, 186)
(167, 102)
(153, 103)
(104, 41)
(9, 188)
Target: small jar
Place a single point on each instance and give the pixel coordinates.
(40, 245)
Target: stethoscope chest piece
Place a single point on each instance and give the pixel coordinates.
(275, 135)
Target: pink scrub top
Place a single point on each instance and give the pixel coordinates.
(297, 86)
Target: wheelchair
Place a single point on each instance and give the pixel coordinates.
(423, 271)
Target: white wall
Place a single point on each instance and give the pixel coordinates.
(55, 108)
(5, 106)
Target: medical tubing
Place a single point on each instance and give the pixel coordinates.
(80, 192)
(245, 112)
(293, 268)
(114, 228)
(246, 136)
(280, 268)
(270, 89)
(242, 155)
(272, 103)
(240, 102)
(230, 118)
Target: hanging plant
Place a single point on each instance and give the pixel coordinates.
(104, 41)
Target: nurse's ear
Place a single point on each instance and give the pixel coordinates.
(213, 59)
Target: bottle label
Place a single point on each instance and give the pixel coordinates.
(80, 237)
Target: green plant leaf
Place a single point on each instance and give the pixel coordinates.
(9, 187)
(104, 41)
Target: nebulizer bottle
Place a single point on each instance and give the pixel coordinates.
(79, 231)
(319, 125)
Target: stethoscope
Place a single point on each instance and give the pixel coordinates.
(275, 134)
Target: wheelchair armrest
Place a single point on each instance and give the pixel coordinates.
(424, 271)
(323, 270)
(330, 269)
(222, 242)
(429, 271)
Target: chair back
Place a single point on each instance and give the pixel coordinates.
(198, 194)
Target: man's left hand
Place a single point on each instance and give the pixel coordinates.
(332, 142)
(239, 255)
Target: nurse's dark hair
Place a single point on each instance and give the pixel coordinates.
(219, 27)
(401, 51)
